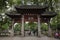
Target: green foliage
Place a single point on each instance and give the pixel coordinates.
(17, 2)
(35, 2)
(5, 23)
(56, 1)
(53, 27)
(44, 27)
(58, 26)
(17, 27)
(2, 4)
(10, 2)
(32, 25)
(54, 23)
(5, 26)
(26, 26)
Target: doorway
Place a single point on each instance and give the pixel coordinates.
(31, 29)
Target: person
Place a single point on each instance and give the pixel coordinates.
(29, 32)
(56, 35)
(35, 31)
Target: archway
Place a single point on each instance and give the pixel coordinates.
(17, 29)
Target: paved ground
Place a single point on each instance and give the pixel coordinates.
(27, 38)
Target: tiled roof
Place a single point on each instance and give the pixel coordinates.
(48, 14)
(31, 7)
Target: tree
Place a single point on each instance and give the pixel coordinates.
(56, 20)
(2, 5)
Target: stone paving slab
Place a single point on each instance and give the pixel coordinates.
(27, 38)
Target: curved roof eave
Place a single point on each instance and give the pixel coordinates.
(49, 14)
